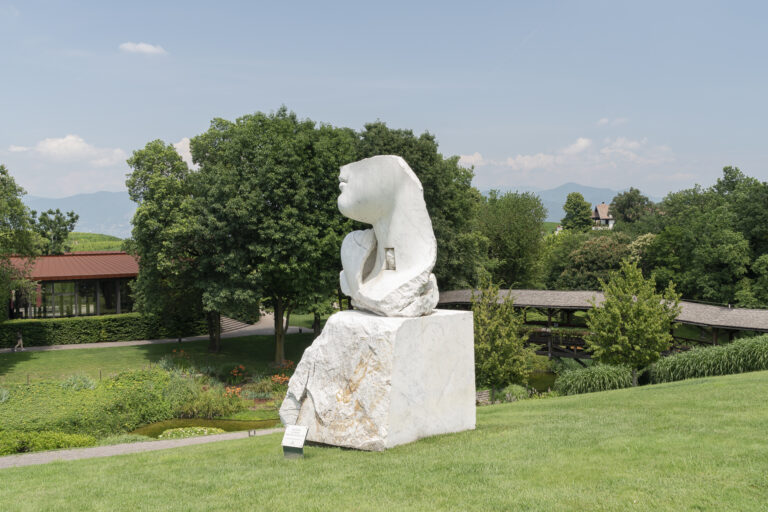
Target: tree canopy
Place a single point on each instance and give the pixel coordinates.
(268, 192)
(630, 206)
(578, 213)
(513, 223)
(170, 270)
(54, 227)
(17, 237)
(632, 325)
(453, 203)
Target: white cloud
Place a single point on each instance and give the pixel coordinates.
(530, 162)
(610, 162)
(72, 148)
(577, 147)
(182, 148)
(616, 121)
(145, 48)
(470, 160)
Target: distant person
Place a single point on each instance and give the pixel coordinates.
(19, 342)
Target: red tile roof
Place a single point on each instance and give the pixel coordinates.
(81, 265)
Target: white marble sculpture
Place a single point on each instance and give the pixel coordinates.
(395, 370)
(387, 269)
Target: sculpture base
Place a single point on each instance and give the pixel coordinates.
(370, 382)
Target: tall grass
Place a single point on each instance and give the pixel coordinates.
(745, 355)
(599, 377)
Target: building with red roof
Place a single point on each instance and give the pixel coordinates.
(76, 284)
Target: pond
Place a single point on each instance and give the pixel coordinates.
(541, 381)
(155, 429)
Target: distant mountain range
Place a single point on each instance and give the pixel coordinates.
(110, 213)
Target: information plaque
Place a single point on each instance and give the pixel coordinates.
(293, 441)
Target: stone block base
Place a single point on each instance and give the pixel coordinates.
(370, 382)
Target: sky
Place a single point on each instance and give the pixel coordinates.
(655, 95)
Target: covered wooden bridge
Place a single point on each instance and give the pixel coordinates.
(715, 322)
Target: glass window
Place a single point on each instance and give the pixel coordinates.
(86, 298)
(107, 297)
(45, 309)
(126, 301)
(63, 299)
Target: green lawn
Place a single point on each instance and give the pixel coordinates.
(254, 352)
(691, 445)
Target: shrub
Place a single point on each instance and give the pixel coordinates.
(88, 329)
(744, 355)
(22, 442)
(116, 405)
(183, 432)
(207, 402)
(78, 382)
(600, 377)
(515, 392)
(501, 356)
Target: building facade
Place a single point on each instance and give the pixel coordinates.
(76, 284)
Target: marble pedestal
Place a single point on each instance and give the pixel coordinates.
(371, 382)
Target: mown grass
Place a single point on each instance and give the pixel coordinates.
(254, 352)
(81, 242)
(692, 445)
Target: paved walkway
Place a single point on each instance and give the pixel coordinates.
(264, 327)
(31, 459)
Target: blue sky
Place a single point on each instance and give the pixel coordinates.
(656, 95)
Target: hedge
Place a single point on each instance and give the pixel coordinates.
(88, 329)
(744, 355)
(599, 377)
(22, 442)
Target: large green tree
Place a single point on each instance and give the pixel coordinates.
(17, 237)
(54, 228)
(699, 249)
(593, 260)
(170, 267)
(578, 213)
(451, 200)
(632, 325)
(269, 184)
(513, 223)
(630, 206)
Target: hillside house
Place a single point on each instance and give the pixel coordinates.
(77, 284)
(602, 217)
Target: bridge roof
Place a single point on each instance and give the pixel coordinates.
(691, 312)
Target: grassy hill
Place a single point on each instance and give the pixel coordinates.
(549, 227)
(691, 445)
(82, 242)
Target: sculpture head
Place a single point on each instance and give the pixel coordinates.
(387, 269)
(371, 188)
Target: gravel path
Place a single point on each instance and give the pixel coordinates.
(264, 327)
(30, 459)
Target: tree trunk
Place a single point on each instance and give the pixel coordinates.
(634, 377)
(279, 331)
(316, 325)
(213, 319)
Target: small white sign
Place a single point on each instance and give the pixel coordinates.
(294, 436)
